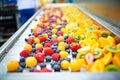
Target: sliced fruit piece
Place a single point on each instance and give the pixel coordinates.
(105, 33)
(116, 60)
(97, 53)
(112, 67)
(89, 58)
(80, 55)
(113, 49)
(12, 66)
(84, 49)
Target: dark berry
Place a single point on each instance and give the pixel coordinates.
(22, 64)
(42, 65)
(43, 43)
(26, 39)
(65, 37)
(57, 51)
(53, 63)
(33, 50)
(31, 54)
(61, 59)
(20, 69)
(67, 46)
(33, 45)
(68, 59)
(68, 50)
(56, 68)
(22, 59)
(48, 58)
(31, 69)
(74, 54)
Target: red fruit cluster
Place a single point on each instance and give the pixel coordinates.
(70, 40)
(24, 53)
(56, 57)
(42, 38)
(45, 70)
(74, 48)
(48, 51)
(39, 57)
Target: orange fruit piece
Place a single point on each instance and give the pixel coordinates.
(74, 66)
(62, 44)
(63, 54)
(28, 47)
(38, 45)
(31, 62)
(36, 40)
(60, 38)
(12, 66)
(65, 65)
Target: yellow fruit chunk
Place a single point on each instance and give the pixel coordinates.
(38, 45)
(63, 54)
(31, 62)
(54, 31)
(116, 59)
(97, 66)
(60, 38)
(107, 58)
(65, 65)
(36, 40)
(28, 47)
(62, 44)
(12, 65)
(62, 48)
(74, 66)
(54, 36)
(81, 62)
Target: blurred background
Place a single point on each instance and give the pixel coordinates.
(10, 19)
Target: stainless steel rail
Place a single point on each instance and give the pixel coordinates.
(7, 45)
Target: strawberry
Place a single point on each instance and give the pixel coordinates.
(35, 33)
(56, 57)
(49, 34)
(48, 51)
(39, 49)
(36, 70)
(75, 47)
(47, 44)
(89, 58)
(60, 33)
(24, 53)
(39, 57)
(42, 38)
(30, 41)
(70, 40)
(55, 41)
(45, 70)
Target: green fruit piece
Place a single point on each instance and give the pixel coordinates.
(90, 29)
(112, 67)
(112, 49)
(80, 55)
(97, 53)
(105, 34)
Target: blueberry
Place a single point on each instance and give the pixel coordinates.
(65, 37)
(52, 47)
(20, 69)
(55, 44)
(42, 65)
(38, 33)
(74, 54)
(22, 64)
(22, 59)
(68, 59)
(33, 50)
(43, 43)
(68, 50)
(31, 69)
(55, 47)
(53, 63)
(61, 59)
(26, 39)
(56, 68)
(67, 46)
(50, 37)
(31, 54)
(48, 58)
(57, 51)
(29, 35)
(33, 45)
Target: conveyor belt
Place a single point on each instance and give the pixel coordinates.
(16, 43)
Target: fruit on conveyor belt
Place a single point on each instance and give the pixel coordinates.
(67, 41)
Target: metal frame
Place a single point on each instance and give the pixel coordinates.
(56, 75)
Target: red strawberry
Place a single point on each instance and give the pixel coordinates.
(70, 40)
(45, 70)
(30, 41)
(39, 49)
(48, 51)
(49, 34)
(24, 53)
(42, 38)
(74, 48)
(36, 70)
(35, 33)
(39, 57)
(55, 41)
(56, 57)
(60, 33)
(47, 44)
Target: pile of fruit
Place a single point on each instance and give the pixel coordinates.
(65, 41)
